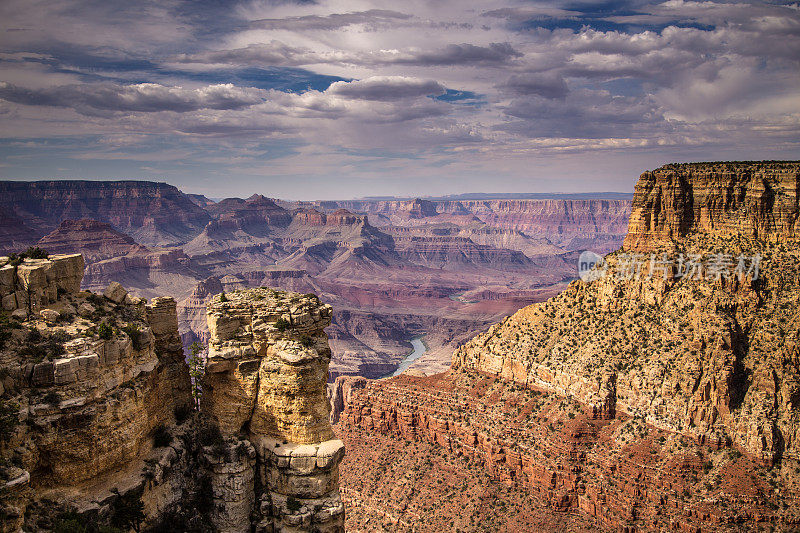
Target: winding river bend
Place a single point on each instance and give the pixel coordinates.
(419, 351)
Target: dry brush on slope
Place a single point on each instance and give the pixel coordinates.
(646, 402)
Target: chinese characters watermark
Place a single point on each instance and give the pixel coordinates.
(716, 266)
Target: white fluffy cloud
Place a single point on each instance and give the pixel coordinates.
(422, 78)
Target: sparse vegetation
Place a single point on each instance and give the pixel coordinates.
(38, 346)
(197, 370)
(9, 419)
(306, 341)
(127, 510)
(104, 331)
(133, 331)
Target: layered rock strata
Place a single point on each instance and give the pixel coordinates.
(31, 285)
(87, 382)
(264, 387)
(658, 395)
(152, 213)
(752, 199)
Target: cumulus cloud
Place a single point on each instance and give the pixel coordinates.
(142, 97)
(586, 113)
(548, 85)
(505, 78)
(280, 54)
(386, 88)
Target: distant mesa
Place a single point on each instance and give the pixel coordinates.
(96, 240)
(422, 209)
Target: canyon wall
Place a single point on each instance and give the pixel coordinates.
(560, 221)
(754, 199)
(264, 387)
(152, 213)
(87, 381)
(653, 395)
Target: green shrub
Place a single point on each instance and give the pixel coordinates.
(222, 297)
(38, 346)
(34, 252)
(281, 324)
(306, 341)
(132, 331)
(104, 331)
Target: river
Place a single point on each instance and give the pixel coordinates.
(419, 351)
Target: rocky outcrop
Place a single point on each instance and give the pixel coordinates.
(265, 383)
(91, 380)
(341, 391)
(29, 286)
(751, 199)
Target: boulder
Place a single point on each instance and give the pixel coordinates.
(49, 315)
(115, 292)
(86, 309)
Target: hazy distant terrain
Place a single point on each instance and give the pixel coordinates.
(392, 268)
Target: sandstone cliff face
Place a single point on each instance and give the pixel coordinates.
(757, 200)
(265, 386)
(88, 397)
(669, 401)
(28, 287)
(716, 358)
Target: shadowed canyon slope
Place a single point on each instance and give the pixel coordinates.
(650, 398)
(391, 269)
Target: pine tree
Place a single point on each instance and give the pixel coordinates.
(197, 370)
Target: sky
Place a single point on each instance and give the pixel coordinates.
(343, 99)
